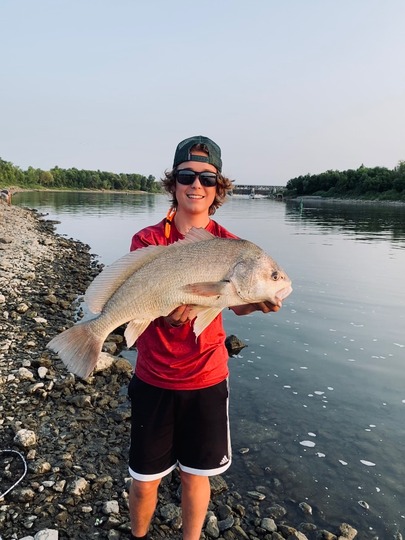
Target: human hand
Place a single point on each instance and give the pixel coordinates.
(265, 307)
(179, 316)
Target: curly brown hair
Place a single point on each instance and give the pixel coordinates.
(224, 185)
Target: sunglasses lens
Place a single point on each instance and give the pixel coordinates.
(185, 177)
(208, 179)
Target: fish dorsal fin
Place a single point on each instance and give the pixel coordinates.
(196, 235)
(113, 276)
(134, 329)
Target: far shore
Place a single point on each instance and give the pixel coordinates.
(299, 199)
(336, 200)
(18, 189)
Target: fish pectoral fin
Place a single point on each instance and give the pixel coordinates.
(204, 318)
(207, 288)
(134, 329)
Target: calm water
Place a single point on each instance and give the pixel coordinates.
(318, 396)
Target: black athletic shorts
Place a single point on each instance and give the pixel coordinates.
(185, 428)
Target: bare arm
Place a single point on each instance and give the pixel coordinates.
(181, 314)
(265, 307)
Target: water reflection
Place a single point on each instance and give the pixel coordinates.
(89, 203)
(366, 221)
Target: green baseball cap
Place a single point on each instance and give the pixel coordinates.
(184, 147)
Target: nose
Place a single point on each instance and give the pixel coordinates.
(196, 179)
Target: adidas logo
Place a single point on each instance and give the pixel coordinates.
(224, 460)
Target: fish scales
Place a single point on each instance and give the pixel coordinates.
(204, 271)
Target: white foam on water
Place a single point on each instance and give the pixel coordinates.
(309, 444)
(342, 462)
(367, 463)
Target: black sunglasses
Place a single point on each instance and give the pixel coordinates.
(188, 176)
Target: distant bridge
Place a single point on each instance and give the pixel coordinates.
(275, 192)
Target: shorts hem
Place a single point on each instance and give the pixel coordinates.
(206, 472)
(150, 477)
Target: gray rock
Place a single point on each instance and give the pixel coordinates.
(268, 524)
(78, 487)
(347, 531)
(211, 527)
(47, 534)
(111, 507)
(25, 438)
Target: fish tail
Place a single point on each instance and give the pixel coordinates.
(79, 348)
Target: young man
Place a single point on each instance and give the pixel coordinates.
(179, 391)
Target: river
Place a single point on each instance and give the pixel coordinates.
(318, 395)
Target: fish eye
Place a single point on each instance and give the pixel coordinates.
(275, 276)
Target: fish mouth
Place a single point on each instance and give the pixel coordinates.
(283, 293)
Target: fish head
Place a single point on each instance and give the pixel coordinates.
(260, 279)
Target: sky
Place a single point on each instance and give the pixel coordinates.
(285, 87)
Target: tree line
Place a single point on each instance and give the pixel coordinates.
(368, 183)
(11, 175)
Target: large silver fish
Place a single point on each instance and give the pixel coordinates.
(204, 271)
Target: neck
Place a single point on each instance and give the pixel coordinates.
(184, 222)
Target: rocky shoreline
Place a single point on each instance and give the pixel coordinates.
(73, 435)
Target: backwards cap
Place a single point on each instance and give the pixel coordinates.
(184, 147)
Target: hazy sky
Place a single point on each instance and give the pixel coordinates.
(285, 87)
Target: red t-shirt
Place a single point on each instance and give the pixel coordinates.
(170, 357)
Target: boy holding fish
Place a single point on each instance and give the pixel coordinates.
(179, 391)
